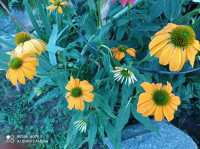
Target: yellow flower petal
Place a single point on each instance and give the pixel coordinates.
(158, 47)
(183, 59)
(144, 107)
(191, 53)
(60, 10)
(20, 77)
(72, 82)
(52, 1)
(143, 98)
(131, 52)
(88, 94)
(64, 3)
(78, 103)
(168, 112)
(68, 94)
(157, 39)
(87, 99)
(196, 44)
(175, 60)
(147, 87)
(175, 100)
(166, 54)
(158, 113)
(150, 111)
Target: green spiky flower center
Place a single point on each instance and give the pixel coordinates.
(122, 48)
(56, 3)
(76, 92)
(125, 73)
(21, 38)
(182, 36)
(161, 97)
(15, 63)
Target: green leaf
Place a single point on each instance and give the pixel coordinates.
(156, 9)
(172, 9)
(52, 48)
(144, 120)
(4, 60)
(101, 102)
(44, 18)
(7, 43)
(121, 119)
(7, 35)
(52, 94)
(62, 80)
(32, 18)
(92, 130)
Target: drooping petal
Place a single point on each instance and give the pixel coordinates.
(27, 73)
(183, 59)
(191, 53)
(28, 66)
(168, 112)
(196, 44)
(166, 54)
(158, 47)
(20, 77)
(71, 102)
(121, 55)
(60, 10)
(158, 114)
(175, 60)
(157, 39)
(131, 52)
(14, 77)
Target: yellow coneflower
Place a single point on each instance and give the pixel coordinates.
(27, 45)
(158, 100)
(79, 91)
(119, 52)
(124, 74)
(174, 45)
(21, 67)
(57, 5)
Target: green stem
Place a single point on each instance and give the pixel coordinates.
(94, 11)
(106, 47)
(129, 7)
(123, 11)
(58, 21)
(47, 61)
(145, 59)
(195, 25)
(56, 72)
(188, 14)
(99, 12)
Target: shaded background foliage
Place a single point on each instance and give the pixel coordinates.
(48, 114)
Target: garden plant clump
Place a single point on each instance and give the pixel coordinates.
(86, 69)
